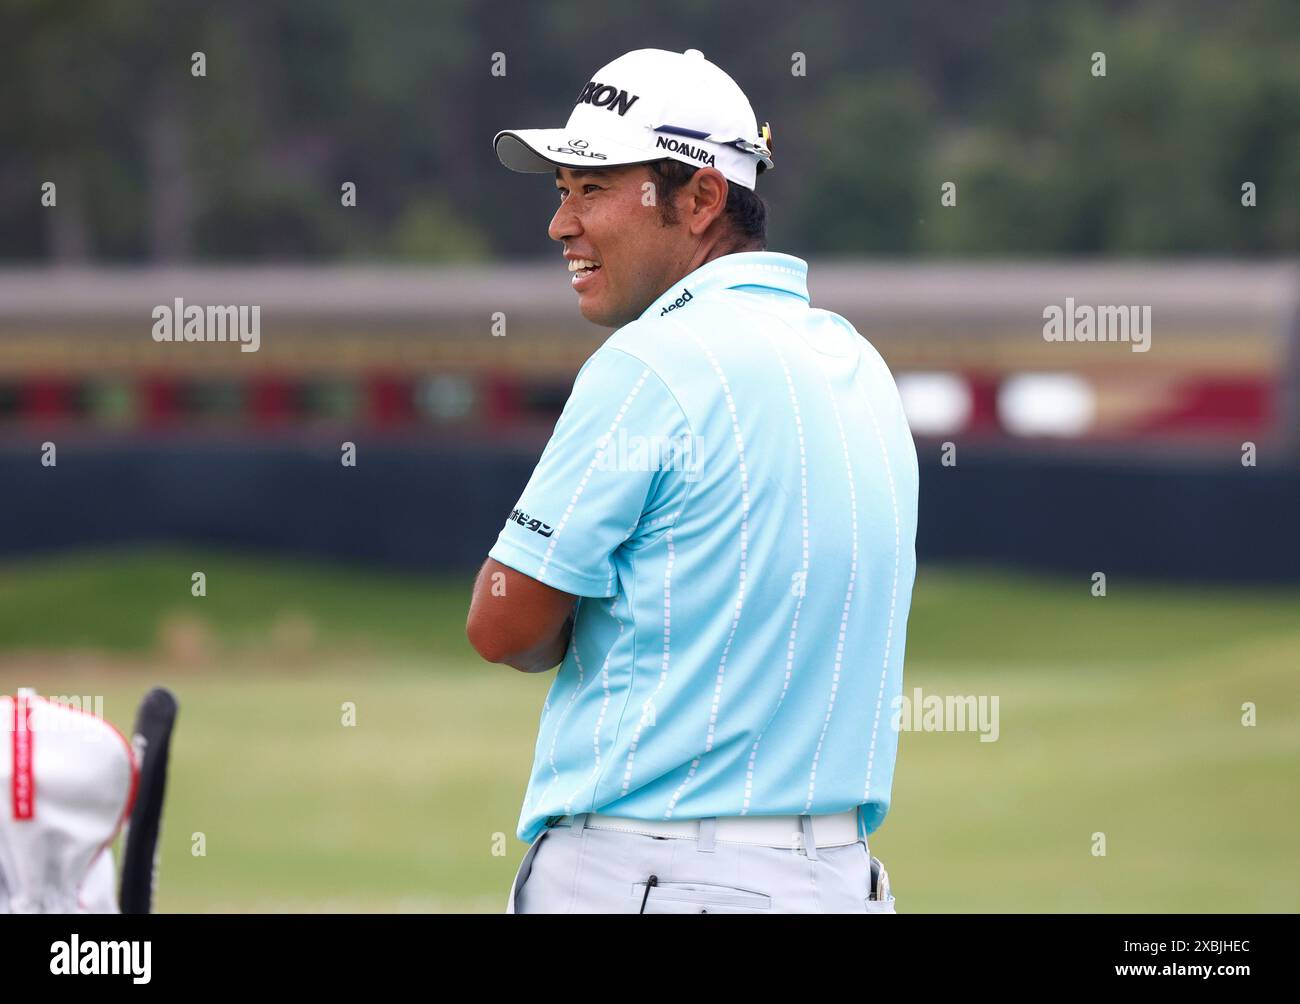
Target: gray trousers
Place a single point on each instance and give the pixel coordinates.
(578, 869)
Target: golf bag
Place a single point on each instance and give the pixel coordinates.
(69, 781)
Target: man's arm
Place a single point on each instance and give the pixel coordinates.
(576, 512)
(517, 621)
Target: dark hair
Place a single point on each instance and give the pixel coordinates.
(746, 212)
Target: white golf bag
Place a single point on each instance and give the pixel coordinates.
(69, 781)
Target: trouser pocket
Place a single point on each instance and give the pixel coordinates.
(697, 897)
(522, 872)
(881, 899)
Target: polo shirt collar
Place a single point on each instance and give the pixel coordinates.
(769, 269)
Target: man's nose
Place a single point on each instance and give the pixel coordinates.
(564, 224)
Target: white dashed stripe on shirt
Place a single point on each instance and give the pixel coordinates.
(798, 603)
(648, 709)
(893, 597)
(848, 595)
(559, 725)
(740, 588)
(600, 719)
(596, 458)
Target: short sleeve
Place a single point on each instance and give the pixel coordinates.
(619, 455)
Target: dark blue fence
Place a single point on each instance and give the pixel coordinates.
(437, 508)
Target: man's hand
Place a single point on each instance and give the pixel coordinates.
(517, 621)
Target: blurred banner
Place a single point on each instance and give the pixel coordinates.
(220, 405)
(1125, 360)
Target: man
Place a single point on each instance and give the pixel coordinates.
(717, 543)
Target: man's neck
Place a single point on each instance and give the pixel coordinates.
(707, 253)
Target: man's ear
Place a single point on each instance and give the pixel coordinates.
(709, 198)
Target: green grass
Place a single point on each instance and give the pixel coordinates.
(119, 602)
(1118, 715)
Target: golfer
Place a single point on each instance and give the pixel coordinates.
(717, 544)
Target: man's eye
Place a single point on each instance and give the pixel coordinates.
(586, 190)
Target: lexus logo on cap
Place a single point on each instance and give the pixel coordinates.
(578, 148)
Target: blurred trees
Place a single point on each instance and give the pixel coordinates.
(397, 96)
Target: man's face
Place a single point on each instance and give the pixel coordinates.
(609, 217)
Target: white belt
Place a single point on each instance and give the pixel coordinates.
(829, 830)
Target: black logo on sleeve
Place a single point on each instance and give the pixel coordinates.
(529, 523)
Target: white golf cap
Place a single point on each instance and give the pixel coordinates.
(650, 104)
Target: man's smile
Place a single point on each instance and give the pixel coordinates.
(584, 272)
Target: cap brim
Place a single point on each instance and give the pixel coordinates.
(539, 151)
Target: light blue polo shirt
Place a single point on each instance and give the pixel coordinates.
(731, 490)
